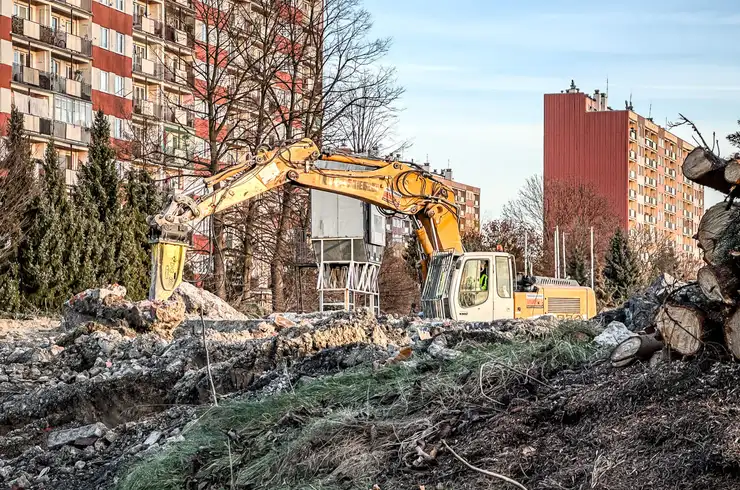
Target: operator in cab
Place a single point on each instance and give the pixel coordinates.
(483, 281)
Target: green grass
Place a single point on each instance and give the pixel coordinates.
(298, 439)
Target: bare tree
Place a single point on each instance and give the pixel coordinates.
(529, 205)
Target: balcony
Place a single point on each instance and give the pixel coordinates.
(147, 67)
(56, 38)
(633, 155)
(178, 116)
(633, 134)
(57, 129)
(632, 194)
(50, 81)
(145, 24)
(179, 76)
(85, 5)
(147, 108)
(178, 35)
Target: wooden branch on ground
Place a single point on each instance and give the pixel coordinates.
(732, 334)
(479, 470)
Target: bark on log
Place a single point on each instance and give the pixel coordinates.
(718, 283)
(705, 168)
(732, 334)
(732, 172)
(682, 328)
(716, 227)
(631, 349)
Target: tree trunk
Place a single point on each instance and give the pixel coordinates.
(712, 227)
(219, 266)
(732, 334)
(732, 173)
(682, 328)
(248, 259)
(705, 168)
(718, 283)
(277, 263)
(639, 347)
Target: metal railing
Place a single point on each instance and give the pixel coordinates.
(53, 37)
(48, 81)
(82, 4)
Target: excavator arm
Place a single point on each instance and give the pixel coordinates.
(391, 185)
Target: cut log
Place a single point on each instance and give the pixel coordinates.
(639, 347)
(682, 328)
(705, 168)
(718, 283)
(716, 235)
(732, 172)
(732, 334)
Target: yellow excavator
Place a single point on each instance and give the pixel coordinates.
(470, 286)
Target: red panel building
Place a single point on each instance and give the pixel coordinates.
(627, 158)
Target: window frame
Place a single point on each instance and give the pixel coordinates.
(474, 294)
(104, 87)
(120, 44)
(502, 263)
(119, 86)
(104, 37)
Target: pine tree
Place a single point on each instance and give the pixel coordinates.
(43, 254)
(97, 236)
(576, 267)
(621, 272)
(142, 199)
(17, 191)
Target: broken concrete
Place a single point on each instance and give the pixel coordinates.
(80, 436)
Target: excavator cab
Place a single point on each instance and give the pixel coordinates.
(474, 286)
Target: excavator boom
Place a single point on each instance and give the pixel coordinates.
(391, 185)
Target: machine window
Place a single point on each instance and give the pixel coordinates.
(503, 277)
(474, 283)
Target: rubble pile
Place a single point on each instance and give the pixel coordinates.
(118, 380)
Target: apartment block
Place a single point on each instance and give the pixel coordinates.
(398, 228)
(627, 158)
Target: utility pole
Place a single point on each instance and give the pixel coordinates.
(565, 262)
(592, 257)
(557, 252)
(526, 249)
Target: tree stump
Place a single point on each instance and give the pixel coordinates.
(732, 172)
(639, 347)
(718, 283)
(732, 334)
(705, 168)
(682, 328)
(716, 232)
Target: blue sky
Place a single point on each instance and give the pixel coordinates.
(475, 73)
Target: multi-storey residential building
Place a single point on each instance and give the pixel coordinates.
(626, 157)
(398, 228)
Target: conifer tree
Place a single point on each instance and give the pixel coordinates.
(142, 199)
(43, 255)
(17, 190)
(621, 272)
(96, 198)
(576, 267)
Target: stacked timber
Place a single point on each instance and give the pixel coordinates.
(711, 313)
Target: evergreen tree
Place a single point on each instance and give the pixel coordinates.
(43, 254)
(621, 272)
(142, 199)
(97, 236)
(576, 267)
(17, 190)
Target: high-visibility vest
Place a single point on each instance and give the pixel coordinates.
(484, 282)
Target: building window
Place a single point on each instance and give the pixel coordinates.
(72, 111)
(120, 5)
(118, 84)
(104, 81)
(118, 128)
(120, 43)
(22, 11)
(104, 37)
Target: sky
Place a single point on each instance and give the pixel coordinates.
(475, 72)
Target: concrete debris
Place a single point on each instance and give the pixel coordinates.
(438, 348)
(613, 335)
(87, 435)
(199, 301)
(153, 438)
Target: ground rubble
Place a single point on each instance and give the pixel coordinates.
(110, 384)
